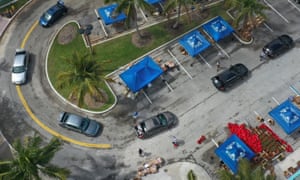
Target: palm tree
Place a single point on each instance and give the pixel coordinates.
(84, 76)
(130, 7)
(173, 4)
(31, 160)
(246, 172)
(249, 13)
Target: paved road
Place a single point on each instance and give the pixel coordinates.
(201, 109)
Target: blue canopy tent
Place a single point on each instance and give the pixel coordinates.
(107, 14)
(194, 43)
(218, 28)
(141, 74)
(287, 115)
(153, 1)
(232, 150)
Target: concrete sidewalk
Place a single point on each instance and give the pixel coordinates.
(4, 22)
(178, 171)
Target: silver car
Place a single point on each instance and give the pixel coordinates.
(20, 67)
(79, 124)
(155, 124)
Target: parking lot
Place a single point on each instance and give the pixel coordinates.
(189, 93)
(201, 108)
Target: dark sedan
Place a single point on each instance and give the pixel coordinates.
(79, 124)
(53, 14)
(229, 76)
(277, 46)
(155, 124)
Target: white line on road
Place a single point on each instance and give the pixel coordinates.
(205, 61)
(277, 102)
(298, 9)
(180, 64)
(278, 13)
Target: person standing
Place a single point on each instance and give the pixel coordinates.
(135, 115)
(174, 142)
(141, 152)
(218, 64)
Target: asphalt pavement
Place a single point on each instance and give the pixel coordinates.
(202, 110)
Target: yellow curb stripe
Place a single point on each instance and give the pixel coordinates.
(28, 34)
(37, 121)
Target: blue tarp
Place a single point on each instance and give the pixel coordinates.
(107, 12)
(194, 43)
(295, 176)
(153, 1)
(141, 74)
(232, 150)
(218, 28)
(287, 115)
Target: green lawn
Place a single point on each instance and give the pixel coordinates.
(119, 51)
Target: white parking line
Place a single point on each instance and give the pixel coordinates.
(180, 64)
(204, 60)
(277, 102)
(294, 90)
(268, 27)
(294, 5)
(278, 13)
(143, 14)
(147, 97)
(223, 51)
(101, 24)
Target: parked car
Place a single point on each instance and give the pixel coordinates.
(230, 76)
(79, 124)
(53, 14)
(20, 67)
(277, 46)
(155, 124)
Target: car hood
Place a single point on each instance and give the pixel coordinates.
(18, 77)
(93, 128)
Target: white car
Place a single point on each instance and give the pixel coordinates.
(20, 66)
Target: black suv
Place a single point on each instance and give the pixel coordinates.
(277, 46)
(53, 14)
(229, 76)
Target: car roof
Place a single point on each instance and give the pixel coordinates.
(73, 120)
(151, 123)
(54, 9)
(231, 72)
(279, 41)
(19, 57)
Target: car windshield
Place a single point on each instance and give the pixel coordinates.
(84, 124)
(47, 16)
(18, 69)
(162, 119)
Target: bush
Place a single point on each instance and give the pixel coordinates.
(191, 175)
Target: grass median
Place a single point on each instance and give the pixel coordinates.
(118, 52)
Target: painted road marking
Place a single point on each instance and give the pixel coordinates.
(278, 13)
(42, 125)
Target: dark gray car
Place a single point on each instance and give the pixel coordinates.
(277, 46)
(155, 124)
(80, 124)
